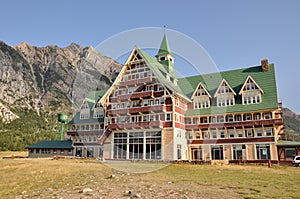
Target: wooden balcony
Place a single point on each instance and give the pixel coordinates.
(270, 122)
(137, 81)
(142, 95)
(138, 110)
(140, 125)
(233, 140)
(117, 112)
(98, 132)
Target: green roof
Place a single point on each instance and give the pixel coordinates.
(236, 79)
(52, 144)
(93, 97)
(76, 119)
(287, 143)
(164, 47)
(160, 71)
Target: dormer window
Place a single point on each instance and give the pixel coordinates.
(225, 94)
(251, 92)
(201, 97)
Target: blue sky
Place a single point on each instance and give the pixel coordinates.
(234, 33)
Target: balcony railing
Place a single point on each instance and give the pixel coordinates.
(136, 81)
(98, 132)
(140, 125)
(142, 95)
(268, 122)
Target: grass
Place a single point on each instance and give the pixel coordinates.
(46, 178)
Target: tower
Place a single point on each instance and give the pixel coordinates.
(164, 55)
(62, 118)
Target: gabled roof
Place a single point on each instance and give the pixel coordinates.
(200, 84)
(93, 97)
(249, 77)
(164, 47)
(52, 144)
(266, 81)
(76, 119)
(159, 70)
(220, 85)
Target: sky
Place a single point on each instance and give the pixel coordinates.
(234, 33)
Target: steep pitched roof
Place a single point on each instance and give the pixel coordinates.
(235, 78)
(76, 119)
(200, 85)
(93, 97)
(160, 71)
(220, 85)
(250, 78)
(164, 47)
(52, 144)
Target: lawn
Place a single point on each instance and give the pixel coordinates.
(46, 178)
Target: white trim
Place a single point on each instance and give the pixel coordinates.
(249, 77)
(200, 84)
(223, 80)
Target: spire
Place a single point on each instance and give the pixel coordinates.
(164, 47)
(164, 55)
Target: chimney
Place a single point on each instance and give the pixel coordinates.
(265, 65)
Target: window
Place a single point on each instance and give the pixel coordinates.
(178, 151)
(206, 135)
(54, 151)
(225, 97)
(198, 135)
(257, 116)
(248, 117)
(190, 135)
(240, 133)
(290, 153)
(120, 145)
(238, 118)
(214, 135)
(267, 116)
(231, 134)
(153, 145)
(217, 152)
(263, 151)
(168, 117)
(268, 131)
(196, 153)
(249, 133)
(238, 151)
(230, 118)
(259, 132)
(222, 134)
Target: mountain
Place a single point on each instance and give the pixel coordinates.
(292, 124)
(50, 77)
(36, 83)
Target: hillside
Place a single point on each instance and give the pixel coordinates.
(36, 83)
(292, 124)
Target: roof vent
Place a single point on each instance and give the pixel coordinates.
(265, 65)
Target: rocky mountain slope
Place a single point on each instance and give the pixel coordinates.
(292, 124)
(51, 78)
(37, 83)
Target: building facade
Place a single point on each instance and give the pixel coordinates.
(87, 126)
(152, 114)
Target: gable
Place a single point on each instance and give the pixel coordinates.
(236, 79)
(200, 86)
(250, 80)
(224, 83)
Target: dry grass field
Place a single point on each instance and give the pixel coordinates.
(47, 178)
